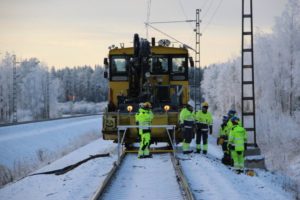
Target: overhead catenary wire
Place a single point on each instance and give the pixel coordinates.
(204, 4)
(207, 10)
(183, 11)
(213, 15)
(148, 18)
(169, 36)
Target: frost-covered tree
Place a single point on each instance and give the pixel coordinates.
(6, 88)
(32, 85)
(83, 83)
(277, 90)
(287, 41)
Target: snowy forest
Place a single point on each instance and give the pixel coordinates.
(36, 92)
(277, 90)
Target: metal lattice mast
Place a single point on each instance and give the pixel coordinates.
(248, 91)
(197, 59)
(47, 95)
(14, 102)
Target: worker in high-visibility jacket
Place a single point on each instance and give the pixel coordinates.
(231, 114)
(223, 141)
(237, 144)
(144, 118)
(223, 135)
(186, 119)
(204, 123)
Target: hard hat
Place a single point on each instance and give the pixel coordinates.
(204, 104)
(225, 118)
(189, 107)
(235, 119)
(141, 105)
(147, 105)
(231, 112)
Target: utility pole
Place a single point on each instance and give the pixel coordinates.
(14, 102)
(248, 92)
(196, 83)
(47, 99)
(197, 60)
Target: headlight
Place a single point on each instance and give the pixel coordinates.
(129, 108)
(166, 108)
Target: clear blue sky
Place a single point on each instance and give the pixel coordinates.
(77, 32)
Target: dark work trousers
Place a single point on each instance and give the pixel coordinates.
(204, 135)
(188, 135)
(224, 147)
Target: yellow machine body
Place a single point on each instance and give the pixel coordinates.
(167, 87)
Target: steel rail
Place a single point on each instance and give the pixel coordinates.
(180, 177)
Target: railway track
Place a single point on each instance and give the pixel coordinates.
(160, 177)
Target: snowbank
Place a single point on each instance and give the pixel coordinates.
(27, 147)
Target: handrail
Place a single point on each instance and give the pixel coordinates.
(125, 127)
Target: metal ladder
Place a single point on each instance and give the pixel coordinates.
(248, 90)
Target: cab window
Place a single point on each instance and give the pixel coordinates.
(118, 65)
(159, 65)
(179, 65)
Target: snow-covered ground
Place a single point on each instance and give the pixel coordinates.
(27, 147)
(80, 183)
(209, 179)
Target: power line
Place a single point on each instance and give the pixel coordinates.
(165, 22)
(207, 10)
(211, 18)
(148, 17)
(170, 37)
(204, 4)
(183, 11)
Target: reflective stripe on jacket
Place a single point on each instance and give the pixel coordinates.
(144, 117)
(237, 137)
(186, 115)
(203, 118)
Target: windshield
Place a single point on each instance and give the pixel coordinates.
(178, 65)
(118, 65)
(159, 65)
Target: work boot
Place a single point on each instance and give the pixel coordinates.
(239, 171)
(148, 156)
(141, 156)
(198, 151)
(187, 152)
(204, 152)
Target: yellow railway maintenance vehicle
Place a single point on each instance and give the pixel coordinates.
(144, 73)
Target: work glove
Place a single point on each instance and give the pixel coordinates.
(210, 130)
(245, 146)
(230, 147)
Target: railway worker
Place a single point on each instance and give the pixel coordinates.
(186, 119)
(231, 114)
(236, 143)
(144, 117)
(223, 141)
(204, 123)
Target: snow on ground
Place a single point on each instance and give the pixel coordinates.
(210, 179)
(145, 179)
(80, 183)
(26, 147)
